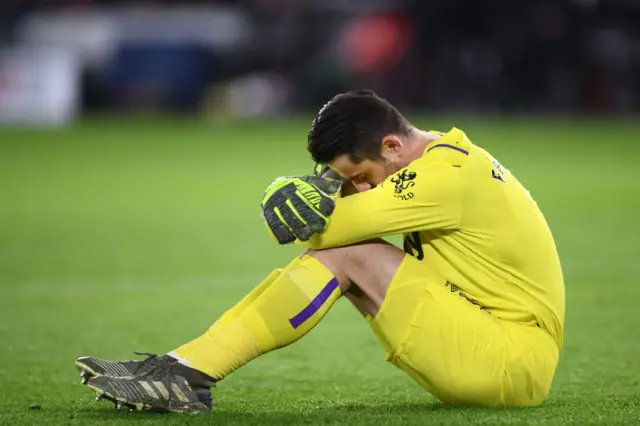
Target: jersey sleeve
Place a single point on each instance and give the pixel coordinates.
(413, 199)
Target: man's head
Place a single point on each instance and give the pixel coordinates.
(361, 136)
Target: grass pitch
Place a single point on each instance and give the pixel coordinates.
(122, 235)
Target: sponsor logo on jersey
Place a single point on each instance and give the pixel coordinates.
(497, 172)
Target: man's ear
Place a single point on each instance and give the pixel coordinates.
(390, 146)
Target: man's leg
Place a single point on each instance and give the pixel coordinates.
(288, 305)
(241, 326)
(366, 272)
(451, 346)
(448, 345)
(90, 366)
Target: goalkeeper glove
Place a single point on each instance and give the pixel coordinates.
(326, 172)
(296, 207)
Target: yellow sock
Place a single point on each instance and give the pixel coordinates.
(282, 309)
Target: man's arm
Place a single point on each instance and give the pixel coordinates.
(410, 200)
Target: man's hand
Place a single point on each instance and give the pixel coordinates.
(296, 207)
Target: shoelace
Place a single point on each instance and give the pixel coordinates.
(147, 354)
(163, 369)
(149, 361)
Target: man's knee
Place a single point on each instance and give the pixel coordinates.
(340, 259)
(371, 263)
(366, 251)
(333, 259)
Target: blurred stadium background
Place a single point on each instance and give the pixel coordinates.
(268, 57)
(137, 137)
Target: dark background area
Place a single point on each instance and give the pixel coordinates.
(265, 57)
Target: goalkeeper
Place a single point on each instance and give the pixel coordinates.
(472, 308)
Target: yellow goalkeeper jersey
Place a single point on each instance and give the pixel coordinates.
(467, 217)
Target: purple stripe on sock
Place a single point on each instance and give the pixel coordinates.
(444, 145)
(315, 304)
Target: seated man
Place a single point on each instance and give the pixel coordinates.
(472, 308)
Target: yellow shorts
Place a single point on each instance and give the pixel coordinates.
(458, 352)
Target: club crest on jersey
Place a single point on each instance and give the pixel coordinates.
(403, 181)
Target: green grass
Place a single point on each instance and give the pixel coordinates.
(135, 234)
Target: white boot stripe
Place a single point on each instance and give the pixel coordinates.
(107, 369)
(147, 387)
(176, 390)
(162, 389)
(121, 369)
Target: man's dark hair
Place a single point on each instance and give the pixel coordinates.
(354, 123)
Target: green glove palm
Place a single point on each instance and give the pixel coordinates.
(296, 207)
